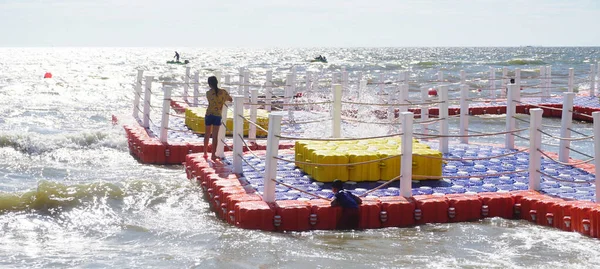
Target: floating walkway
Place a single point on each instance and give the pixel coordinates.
(259, 184)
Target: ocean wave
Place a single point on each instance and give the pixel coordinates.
(524, 62)
(50, 196)
(33, 143)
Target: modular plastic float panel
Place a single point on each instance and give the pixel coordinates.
(336, 154)
(194, 119)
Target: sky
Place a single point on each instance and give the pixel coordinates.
(299, 23)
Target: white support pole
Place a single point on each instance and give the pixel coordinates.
(565, 126)
(246, 85)
(548, 87)
(218, 76)
(253, 114)
(504, 81)
(196, 87)
(272, 151)
(440, 77)
(336, 120)
(294, 76)
(403, 98)
(289, 96)
(492, 83)
(186, 85)
(571, 79)
(164, 122)
(362, 87)
(390, 110)
(543, 82)
(517, 93)
(596, 118)
(424, 109)
(511, 111)
(227, 81)
(268, 90)
(406, 151)
(238, 132)
(138, 93)
(592, 80)
(241, 81)
(535, 142)
(443, 116)
(463, 77)
(147, 97)
(464, 114)
(220, 152)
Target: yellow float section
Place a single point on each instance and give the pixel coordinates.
(344, 152)
(194, 119)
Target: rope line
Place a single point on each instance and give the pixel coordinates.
(584, 154)
(336, 139)
(380, 186)
(337, 164)
(305, 122)
(562, 180)
(301, 190)
(565, 163)
(471, 159)
(566, 138)
(469, 176)
(475, 135)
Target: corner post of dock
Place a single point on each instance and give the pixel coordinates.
(271, 152)
(565, 127)
(238, 132)
(464, 114)
(406, 157)
(535, 142)
(164, 122)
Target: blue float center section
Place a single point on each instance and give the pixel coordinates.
(574, 183)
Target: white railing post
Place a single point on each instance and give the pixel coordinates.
(543, 82)
(196, 87)
(464, 114)
(241, 81)
(403, 98)
(424, 109)
(492, 83)
(517, 93)
(440, 77)
(592, 80)
(238, 132)
(336, 120)
(253, 114)
(596, 118)
(138, 92)
(294, 76)
(548, 82)
(186, 84)
(220, 152)
(565, 126)
(406, 151)
(271, 152)
(511, 111)
(218, 76)
(246, 86)
(344, 80)
(463, 77)
(504, 81)
(535, 142)
(147, 97)
(164, 122)
(227, 81)
(571, 79)
(268, 90)
(289, 96)
(443, 116)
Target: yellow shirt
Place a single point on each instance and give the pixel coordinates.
(216, 101)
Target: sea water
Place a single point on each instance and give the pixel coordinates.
(71, 195)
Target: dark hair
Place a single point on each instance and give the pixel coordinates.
(212, 82)
(512, 81)
(338, 184)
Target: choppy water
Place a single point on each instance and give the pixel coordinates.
(72, 196)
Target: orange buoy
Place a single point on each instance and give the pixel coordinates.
(432, 92)
(48, 75)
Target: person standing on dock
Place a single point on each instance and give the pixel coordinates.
(212, 120)
(349, 203)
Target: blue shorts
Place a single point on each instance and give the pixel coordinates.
(212, 120)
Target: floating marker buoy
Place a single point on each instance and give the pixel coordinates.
(48, 75)
(115, 121)
(432, 92)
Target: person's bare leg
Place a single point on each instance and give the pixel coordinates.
(215, 142)
(207, 134)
